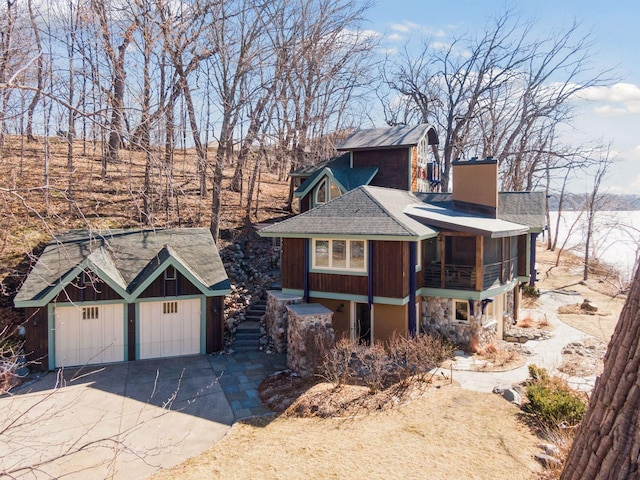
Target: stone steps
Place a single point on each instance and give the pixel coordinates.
(247, 336)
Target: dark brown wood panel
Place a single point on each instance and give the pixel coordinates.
(292, 269)
(330, 282)
(393, 166)
(305, 202)
(522, 255)
(36, 344)
(214, 340)
(92, 291)
(169, 288)
(391, 269)
(131, 331)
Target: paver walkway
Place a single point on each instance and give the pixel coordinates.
(240, 375)
(546, 353)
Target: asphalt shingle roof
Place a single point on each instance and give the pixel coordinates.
(366, 210)
(127, 257)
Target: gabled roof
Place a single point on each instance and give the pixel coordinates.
(127, 260)
(340, 162)
(346, 180)
(398, 136)
(372, 212)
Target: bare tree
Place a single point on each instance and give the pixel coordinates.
(607, 444)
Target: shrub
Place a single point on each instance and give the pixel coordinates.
(380, 365)
(551, 400)
(530, 291)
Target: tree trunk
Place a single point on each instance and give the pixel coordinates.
(607, 445)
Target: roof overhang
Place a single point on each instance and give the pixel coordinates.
(448, 219)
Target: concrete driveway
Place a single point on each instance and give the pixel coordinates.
(116, 421)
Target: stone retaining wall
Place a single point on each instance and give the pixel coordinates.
(436, 317)
(310, 334)
(276, 317)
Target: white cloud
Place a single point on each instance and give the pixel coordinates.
(395, 37)
(618, 99)
(407, 27)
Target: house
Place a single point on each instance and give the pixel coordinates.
(387, 260)
(396, 157)
(100, 297)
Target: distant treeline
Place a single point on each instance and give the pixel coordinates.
(576, 202)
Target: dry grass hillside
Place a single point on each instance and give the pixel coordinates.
(31, 215)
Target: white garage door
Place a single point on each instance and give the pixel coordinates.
(86, 335)
(168, 329)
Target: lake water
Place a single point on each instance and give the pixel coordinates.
(616, 237)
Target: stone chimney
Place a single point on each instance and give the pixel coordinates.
(475, 186)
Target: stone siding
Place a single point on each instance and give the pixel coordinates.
(276, 317)
(310, 335)
(437, 317)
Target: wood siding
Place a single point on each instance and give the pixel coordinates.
(215, 324)
(131, 331)
(336, 283)
(292, 270)
(95, 291)
(414, 169)
(391, 269)
(36, 343)
(393, 166)
(305, 202)
(169, 288)
(523, 240)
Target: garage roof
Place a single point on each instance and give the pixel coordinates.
(127, 260)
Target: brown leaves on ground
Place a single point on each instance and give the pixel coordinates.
(576, 309)
(293, 396)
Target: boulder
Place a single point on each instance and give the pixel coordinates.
(588, 306)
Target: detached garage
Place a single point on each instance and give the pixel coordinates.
(124, 295)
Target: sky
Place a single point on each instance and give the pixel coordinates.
(609, 114)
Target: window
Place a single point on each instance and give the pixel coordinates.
(340, 255)
(326, 191)
(169, 307)
(460, 311)
(170, 273)
(90, 313)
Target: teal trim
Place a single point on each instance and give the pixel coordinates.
(137, 331)
(399, 238)
(470, 295)
(51, 336)
(171, 261)
(523, 279)
(125, 326)
(348, 297)
(326, 173)
(203, 326)
(340, 272)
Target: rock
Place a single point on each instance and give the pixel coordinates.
(588, 306)
(512, 396)
(548, 460)
(549, 449)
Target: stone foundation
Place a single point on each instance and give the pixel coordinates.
(437, 317)
(276, 317)
(310, 334)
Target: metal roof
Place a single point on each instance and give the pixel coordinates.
(398, 136)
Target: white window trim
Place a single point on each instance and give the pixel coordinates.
(330, 267)
(453, 313)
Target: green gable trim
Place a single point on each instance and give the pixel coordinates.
(186, 272)
(467, 294)
(68, 278)
(326, 173)
(51, 336)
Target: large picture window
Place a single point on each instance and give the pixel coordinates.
(348, 255)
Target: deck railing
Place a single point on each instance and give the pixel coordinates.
(463, 277)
